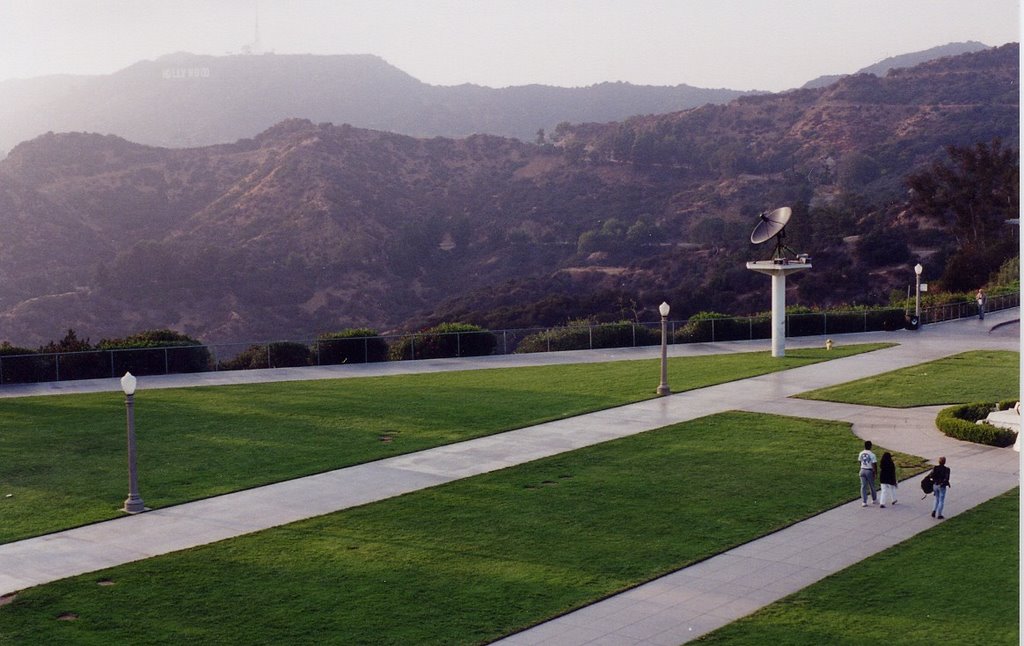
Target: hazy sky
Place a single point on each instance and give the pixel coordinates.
(739, 44)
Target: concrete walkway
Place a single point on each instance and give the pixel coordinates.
(670, 610)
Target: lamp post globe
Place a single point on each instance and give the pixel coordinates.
(663, 388)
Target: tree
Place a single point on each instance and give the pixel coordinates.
(974, 192)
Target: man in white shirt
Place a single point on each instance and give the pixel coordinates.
(868, 470)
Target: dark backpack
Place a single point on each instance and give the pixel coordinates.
(927, 484)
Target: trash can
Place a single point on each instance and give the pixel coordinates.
(912, 322)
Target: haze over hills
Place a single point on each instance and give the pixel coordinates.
(183, 100)
(882, 68)
(312, 227)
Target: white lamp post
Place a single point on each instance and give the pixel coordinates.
(133, 504)
(663, 388)
(917, 300)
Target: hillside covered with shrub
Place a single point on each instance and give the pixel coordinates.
(307, 228)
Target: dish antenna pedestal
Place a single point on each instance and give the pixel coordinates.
(772, 225)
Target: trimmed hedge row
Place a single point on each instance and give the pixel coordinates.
(960, 422)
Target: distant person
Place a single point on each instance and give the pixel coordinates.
(868, 470)
(940, 476)
(887, 476)
(980, 298)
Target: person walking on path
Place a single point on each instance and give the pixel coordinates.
(887, 476)
(868, 470)
(980, 297)
(940, 476)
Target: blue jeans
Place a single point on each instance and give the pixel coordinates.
(867, 484)
(940, 500)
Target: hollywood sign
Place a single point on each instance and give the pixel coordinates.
(186, 73)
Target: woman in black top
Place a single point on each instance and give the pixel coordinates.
(940, 476)
(887, 475)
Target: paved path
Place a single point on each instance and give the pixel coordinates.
(669, 610)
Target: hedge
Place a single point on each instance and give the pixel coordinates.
(581, 335)
(704, 327)
(280, 354)
(354, 345)
(960, 422)
(445, 340)
(154, 352)
(22, 365)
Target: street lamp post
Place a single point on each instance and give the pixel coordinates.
(133, 504)
(663, 388)
(917, 299)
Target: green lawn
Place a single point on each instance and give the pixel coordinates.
(979, 376)
(472, 560)
(63, 457)
(957, 583)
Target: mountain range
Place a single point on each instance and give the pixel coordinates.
(911, 59)
(185, 100)
(310, 227)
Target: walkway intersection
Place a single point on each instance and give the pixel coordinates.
(670, 610)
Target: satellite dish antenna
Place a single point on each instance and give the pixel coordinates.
(772, 224)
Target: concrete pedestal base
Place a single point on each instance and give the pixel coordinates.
(778, 270)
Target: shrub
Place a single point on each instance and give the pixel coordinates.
(156, 352)
(445, 340)
(23, 366)
(74, 358)
(850, 321)
(575, 336)
(582, 335)
(886, 319)
(705, 327)
(81, 365)
(354, 345)
(960, 422)
(280, 354)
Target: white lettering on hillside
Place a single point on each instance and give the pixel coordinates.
(186, 73)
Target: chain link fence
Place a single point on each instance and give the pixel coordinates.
(96, 364)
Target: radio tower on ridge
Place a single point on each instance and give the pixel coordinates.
(255, 47)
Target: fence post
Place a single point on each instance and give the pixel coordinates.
(366, 350)
(825, 323)
(1, 371)
(458, 344)
(268, 356)
(167, 364)
(57, 363)
(590, 331)
(632, 327)
(504, 341)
